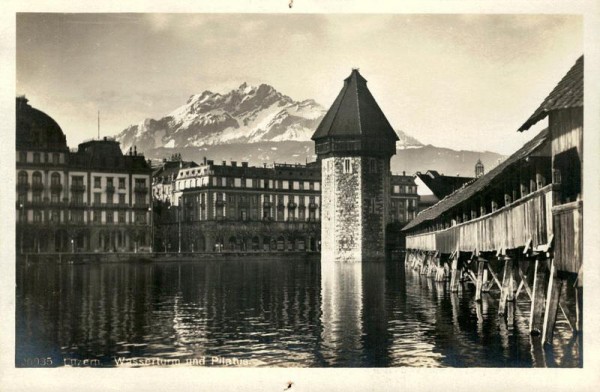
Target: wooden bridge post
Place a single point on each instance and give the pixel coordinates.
(579, 300)
(552, 300)
(479, 283)
(507, 290)
(538, 300)
(454, 277)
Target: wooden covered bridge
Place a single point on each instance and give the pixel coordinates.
(524, 216)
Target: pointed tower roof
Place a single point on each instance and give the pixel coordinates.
(355, 113)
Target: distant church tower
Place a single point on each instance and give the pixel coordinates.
(479, 170)
(354, 144)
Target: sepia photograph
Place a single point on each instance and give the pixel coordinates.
(298, 189)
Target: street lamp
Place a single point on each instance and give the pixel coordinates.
(151, 229)
(21, 219)
(179, 226)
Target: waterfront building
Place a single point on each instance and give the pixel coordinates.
(354, 143)
(231, 207)
(525, 211)
(92, 199)
(163, 178)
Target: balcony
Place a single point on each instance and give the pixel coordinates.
(509, 227)
(220, 203)
(37, 187)
(110, 189)
(292, 205)
(77, 188)
(23, 187)
(313, 206)
(56, 188)
(267, 204)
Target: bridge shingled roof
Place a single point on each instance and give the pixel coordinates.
(568, 93)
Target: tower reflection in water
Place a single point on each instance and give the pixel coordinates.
(353, 314)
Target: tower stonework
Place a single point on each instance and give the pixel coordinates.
(354, 143)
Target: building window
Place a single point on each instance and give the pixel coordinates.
(37, 178)
(97, 198)
(372, 165)
(347, 166)
(77, 180)
(121, 217)
(36, 157)
(22, 156)
(55, 197)
(96, 216)
(77, 216)
(22, 198)
(121, 182)
(110, 198)
(110, 218)
(37, 216)
(372, 205)
(140, 217)
(121, 198)
(140, 198)
(109, 181)
(97, 182)
(396, 188)
(55, 179)
(54, 216)
(55, 158)
(22, 178)
(37, 197)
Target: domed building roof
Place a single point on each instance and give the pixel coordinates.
(36, 130)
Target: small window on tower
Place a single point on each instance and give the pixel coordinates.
(372, 165)
(347, 166)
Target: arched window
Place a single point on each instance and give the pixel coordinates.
(37, 177)
(55, 179)
(23, 178)
(36, 157)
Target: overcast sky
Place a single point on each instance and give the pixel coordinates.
(459, 81)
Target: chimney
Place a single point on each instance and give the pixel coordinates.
(403, 172)
(135, 150)
(204, 159)
(244, 164)
(233, 163)
(210, 162)
(224, 163)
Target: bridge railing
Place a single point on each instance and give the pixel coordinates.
(509, 227)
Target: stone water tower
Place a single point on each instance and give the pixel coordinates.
(354, 144)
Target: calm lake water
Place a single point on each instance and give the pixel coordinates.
(247, 312)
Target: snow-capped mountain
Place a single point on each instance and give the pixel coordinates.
(246, 115)
(258, 124)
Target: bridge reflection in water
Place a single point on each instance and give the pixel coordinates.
(270, 313)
